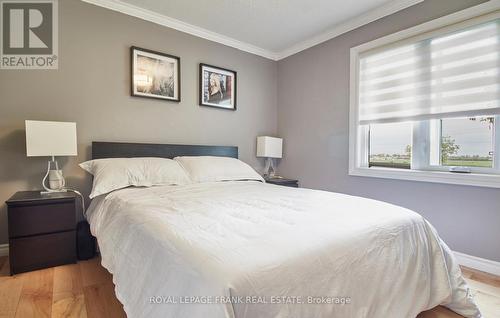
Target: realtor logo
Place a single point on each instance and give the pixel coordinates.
(28, 34)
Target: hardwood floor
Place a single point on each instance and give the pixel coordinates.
(86, 290)
(77, 290)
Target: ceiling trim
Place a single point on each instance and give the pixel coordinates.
(148, 15)
(352, 24)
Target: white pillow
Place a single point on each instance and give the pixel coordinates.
(207, 169)
(117, 173)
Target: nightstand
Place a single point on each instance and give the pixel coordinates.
(283, 182)
(41, 230)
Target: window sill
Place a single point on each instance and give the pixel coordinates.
(470, 179)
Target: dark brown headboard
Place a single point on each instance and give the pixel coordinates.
(101, 150)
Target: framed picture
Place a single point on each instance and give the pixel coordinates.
(217, 87)
(155, 75)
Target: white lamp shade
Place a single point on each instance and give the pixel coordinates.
(269, 147)
(50, 138)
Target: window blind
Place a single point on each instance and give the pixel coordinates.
(451, 75)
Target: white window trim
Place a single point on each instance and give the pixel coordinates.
(358, 140)
(424, 142)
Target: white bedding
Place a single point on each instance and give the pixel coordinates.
(248, 239)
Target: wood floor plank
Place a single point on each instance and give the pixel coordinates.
(69, 305)
(99, 290)
(490, 305)
(439, 312)
(487, 298)
(115, 308)
(93, 273)
(95, 305)
(100, 301)
(68, 278)
(10, 293)
(86, 290)
(36, 294)
(68, 297)
(482, 277)
(483, 287)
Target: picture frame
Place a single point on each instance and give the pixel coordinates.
(218, 87)
(155, 75)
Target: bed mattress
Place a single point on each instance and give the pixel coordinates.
(255, 250)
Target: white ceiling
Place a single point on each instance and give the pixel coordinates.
(267, 27)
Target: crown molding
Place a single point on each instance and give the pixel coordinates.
(148, 15)
(144, 14)
(352, 24)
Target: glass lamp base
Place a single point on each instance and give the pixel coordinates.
(54, 178)
(269, 170)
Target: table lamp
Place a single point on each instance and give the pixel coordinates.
(269, 148)
(51, 139)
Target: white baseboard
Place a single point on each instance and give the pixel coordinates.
(480, 264)
(4, 250)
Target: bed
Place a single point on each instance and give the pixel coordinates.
(248, 249)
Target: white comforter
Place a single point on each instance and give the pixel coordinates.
(248, 249)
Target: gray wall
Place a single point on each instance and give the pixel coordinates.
(92, 87)
(313, 105)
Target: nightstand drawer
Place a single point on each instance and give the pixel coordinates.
(41, 219)
(41, 251)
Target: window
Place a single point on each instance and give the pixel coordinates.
(390, 145)
(424, 104)
(467, 142)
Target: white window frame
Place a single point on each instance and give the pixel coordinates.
(422, 141)
(359, 136)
